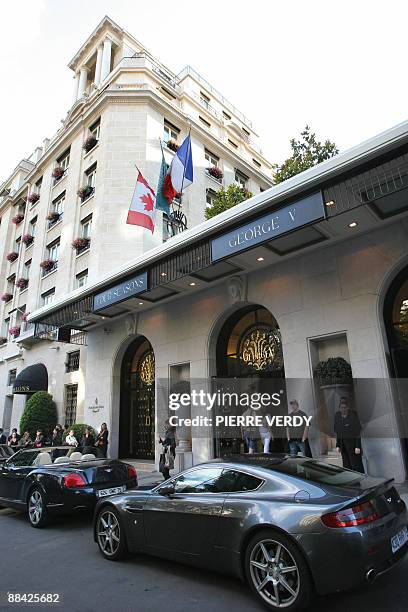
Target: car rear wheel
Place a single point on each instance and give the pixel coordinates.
(110, 534)
(277, 572)
(37, 510)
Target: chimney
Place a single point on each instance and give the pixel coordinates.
(46, 142)
(38, 154)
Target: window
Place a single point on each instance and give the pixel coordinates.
(5, 328)
(233, 481)
(81, 279)
(48, 297)
(24, 457)
(72, 364)
(86, 226)
(53, 250)
(38, 185)
(63, 160)
(256, 163)
(27, 267)
(206, 123)
(11, 283)
(90, 175)
(198, 481)
(204, 99)
(31, 227)
(226, 116)
(171, 132)
(209, 197)
(57, 210)
(17, 245)
(246, 132)
(211, 159)
(241, 178)
(232, 143)
(316, 472)
(11, 377)
(95, 128)
(71, 394)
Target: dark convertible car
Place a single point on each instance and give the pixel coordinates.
(290, 526)
(60, 479)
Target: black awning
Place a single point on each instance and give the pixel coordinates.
(32, 379)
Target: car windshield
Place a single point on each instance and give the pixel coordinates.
(48, 456)
(316, 471)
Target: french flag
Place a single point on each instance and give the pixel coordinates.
(180, 173)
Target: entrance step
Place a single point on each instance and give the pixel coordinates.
(141, 465)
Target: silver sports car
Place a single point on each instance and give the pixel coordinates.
(289, 526)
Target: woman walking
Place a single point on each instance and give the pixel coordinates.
(102, 439)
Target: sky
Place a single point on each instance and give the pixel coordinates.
(339, 66)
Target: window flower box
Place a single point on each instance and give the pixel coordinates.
(90, 143)
(6, 297)
(47, 265)
(85, 192)
(27, 239)
(58, 173)
(33, 198)
(12, 256)
(15, 331)
(172, 145)
(81, 244)
(22, 283)
(215, 172)
(3, 340)
(17, 219)
(53, 217)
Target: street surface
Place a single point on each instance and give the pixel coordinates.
(63, 558)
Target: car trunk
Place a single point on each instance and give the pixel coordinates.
(105, 474)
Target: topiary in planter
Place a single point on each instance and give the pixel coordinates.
(33, 197)
(215, 172)
(12, 256)
(85, 191)
(27, 239)
(58, 172)
(17, 219)
(90, 142)
(79, 431)
(333, 371)
(40, 412)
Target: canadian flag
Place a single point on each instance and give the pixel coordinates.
(142, 209)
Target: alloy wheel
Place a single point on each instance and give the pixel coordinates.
(108, 531)
(35, 507)
(274, 573)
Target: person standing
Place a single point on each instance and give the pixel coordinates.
(39, 439)
(347, 428)
(56, 439)
(265, 431)
(14, 431)
(26, 441)
(13, 441)
(249, 431)
(168, 455)
(87, 440)
(3, 439)
(297, 434)
(102, 439)
(71, 439)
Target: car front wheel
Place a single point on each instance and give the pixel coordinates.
(110, 534)
(277, 572)
(37, 510)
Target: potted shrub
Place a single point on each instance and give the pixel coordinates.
(27, 239)
(172, 145)
(79, 244)
(22, 283)
(90, 142)
(33, 197)
(53, 216)
(17, 219)
(6, 297)
(58, 172)
(40, 412)
(215, 172)
(12, 256)
(85, 191)
(334, 377)
(14, 331)
(47, 264)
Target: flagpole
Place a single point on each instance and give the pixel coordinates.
(185, 165)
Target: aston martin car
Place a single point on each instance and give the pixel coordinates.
(60, 479)
(290, 526)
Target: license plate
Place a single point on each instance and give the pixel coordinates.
(399, 540)
(111, 491)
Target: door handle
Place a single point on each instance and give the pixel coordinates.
(133, 509)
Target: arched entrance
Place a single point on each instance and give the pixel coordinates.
(396, 325)
(248, 355)
(137, 405)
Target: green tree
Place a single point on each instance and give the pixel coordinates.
(227, 198)
(306, 153)
(40, 412)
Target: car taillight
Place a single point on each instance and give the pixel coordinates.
(351, 517)
(131, 472)
(74, 481)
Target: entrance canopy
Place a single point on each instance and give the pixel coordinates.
(32, 379)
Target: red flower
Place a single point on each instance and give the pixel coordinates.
(58, 172)
(47, 264)
(33, 197)
(6, 297)
(12, 256)
(15, 331)
(216, 172)
(18, 218)
(27, 239)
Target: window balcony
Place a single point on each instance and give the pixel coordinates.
(48, 266)
(80, 245)
(85, 193)
(53, 218)
(58, 173)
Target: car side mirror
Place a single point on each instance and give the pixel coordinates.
(167, 490)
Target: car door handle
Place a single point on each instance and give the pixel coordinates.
(133, 509)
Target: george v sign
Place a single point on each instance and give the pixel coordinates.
(270, 226)
(118, 293)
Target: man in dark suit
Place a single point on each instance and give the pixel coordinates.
(348, 432)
